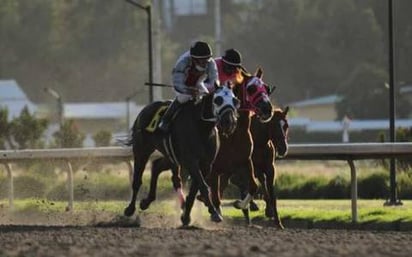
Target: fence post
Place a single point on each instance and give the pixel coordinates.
(11, 185)
(70, 185)
(354, 190)
(130, 166)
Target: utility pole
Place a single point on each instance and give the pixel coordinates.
(128, 98)
(393, 199)
(157, 50)
(60, 107)
(148, 10)
(218, 28)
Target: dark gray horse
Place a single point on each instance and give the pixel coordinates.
(191, 144)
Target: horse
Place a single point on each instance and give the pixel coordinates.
(269, 141)
(192, 142)
(235, 148)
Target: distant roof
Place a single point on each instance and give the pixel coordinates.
(354, 125)
(107, 110)
(406, 89)
(329, 99)
(14, 98)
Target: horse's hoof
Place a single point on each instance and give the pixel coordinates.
(144, 204)
(129, 211)
(279, 225)
(216, 217)
(238, 205)
(185, 220)
(253, 206)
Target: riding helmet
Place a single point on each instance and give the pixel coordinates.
(200, 50)
(232, 57)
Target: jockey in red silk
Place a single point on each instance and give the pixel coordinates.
(229, 67)
(194, 74)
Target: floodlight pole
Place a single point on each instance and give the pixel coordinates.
(393, 199)
(128, 98)
(148, 10)
(59, 100)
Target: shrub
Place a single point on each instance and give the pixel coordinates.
(69, 135)
(374, 186)
(404, 181)
(313, 188)
(102, 138)
(337, 188)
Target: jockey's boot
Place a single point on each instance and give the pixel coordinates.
(164, 124)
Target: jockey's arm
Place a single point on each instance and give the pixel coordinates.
(179, 75)
(212, 77)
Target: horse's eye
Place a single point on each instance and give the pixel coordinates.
(218, 101)
(251, 89)
(236, 103)
(268, 89)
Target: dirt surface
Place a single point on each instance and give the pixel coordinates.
(155, 235)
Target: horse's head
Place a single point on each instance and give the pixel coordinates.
(225, 105)
(256, 96)
(280, 131)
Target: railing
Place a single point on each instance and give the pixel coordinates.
(346, 152)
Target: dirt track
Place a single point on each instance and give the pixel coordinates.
(157, 237)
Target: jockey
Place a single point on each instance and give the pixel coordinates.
(230, 68)
(194, 74)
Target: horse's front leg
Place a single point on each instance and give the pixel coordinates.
(178, 185)
(188, 205)
(243, 204)
(205, 191)
(158, 166)
(213, 181)
(271, 203)
(240, 181)
(140, 160)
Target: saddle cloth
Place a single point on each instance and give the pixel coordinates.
(151, 127)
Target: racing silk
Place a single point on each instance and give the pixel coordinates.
(235, 78)
(185, 75)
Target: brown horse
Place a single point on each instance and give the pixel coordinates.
(269, 141)
(191, 144)
(235, 149)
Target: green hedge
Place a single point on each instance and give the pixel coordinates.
(288, 186)
(372, 186)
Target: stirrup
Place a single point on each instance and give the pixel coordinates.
(164, 126)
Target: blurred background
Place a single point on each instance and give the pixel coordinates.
(80, 66)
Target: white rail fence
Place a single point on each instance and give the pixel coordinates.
(346, 152)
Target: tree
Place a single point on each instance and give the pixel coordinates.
(4, 127)
(309, 47)
(365, 95)
(26, 130)
(102, 138)
(69, 135)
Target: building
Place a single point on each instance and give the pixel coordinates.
(14, 99)
(90, 118)
(319, 109)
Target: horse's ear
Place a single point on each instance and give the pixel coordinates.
(259, 73)
(286, 110)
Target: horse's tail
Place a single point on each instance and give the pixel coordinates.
(131, 137)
